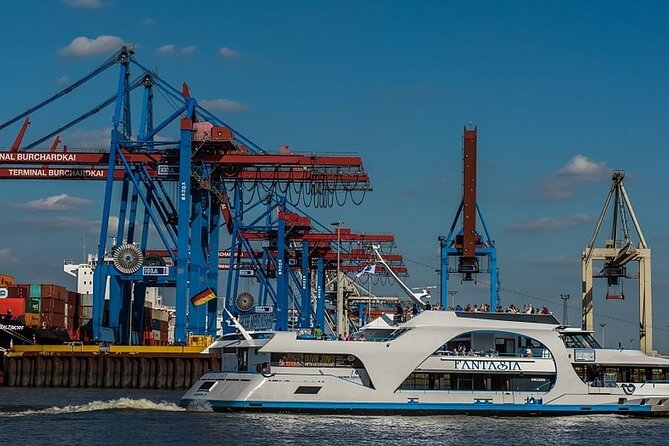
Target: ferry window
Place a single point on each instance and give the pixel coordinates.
(494, 343)
(314, 360)
(579, 340)
(477, 381)
(207, 385)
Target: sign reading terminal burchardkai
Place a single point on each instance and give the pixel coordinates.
(57, 173)
(38, 157)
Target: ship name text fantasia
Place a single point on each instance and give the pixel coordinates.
(463, 364)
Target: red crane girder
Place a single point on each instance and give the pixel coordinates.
(336, 170)
(469, 236)
(102, 158)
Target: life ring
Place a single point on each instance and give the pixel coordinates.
(628, 388)
(263, 369)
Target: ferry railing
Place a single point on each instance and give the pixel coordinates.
(542, 353)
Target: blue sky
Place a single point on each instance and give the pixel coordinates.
(561, 92)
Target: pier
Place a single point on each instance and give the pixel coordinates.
(167, 368)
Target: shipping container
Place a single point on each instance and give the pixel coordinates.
(51, 320)
(155, 324)
(54, 291)
(6, 280)
(72, 298)
(53, 305)
(18, 291)
(15, 306)
(35, 291)
(32, 319)
(33, 305)
(86, 313)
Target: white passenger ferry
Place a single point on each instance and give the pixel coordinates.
(437, 362)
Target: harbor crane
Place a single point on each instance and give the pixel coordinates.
(616, 254)
(467, 245)
(175, 182)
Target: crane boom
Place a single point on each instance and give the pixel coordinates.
(416, 298)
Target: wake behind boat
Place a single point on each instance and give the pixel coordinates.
(437, 362)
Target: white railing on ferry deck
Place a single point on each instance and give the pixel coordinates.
(542, 353)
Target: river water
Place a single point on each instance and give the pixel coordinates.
(147, 417)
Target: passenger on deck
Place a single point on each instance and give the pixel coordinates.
(544, 310)
(458, 308)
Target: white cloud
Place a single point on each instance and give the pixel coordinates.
(583, 166)
(90, 4)
(149, 21)
(188, 50)
(62, 202)
(6, 258)
(549, 223)
(63, 80)
(565, 181)
(223, 105)
(228, 53)
(166, 49)
(83, 46)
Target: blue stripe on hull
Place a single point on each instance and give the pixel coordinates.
(352, 407)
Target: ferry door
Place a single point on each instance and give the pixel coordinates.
(465, 382)
(508, 395)
(242, 359)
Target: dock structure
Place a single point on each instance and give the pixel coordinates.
(91, 366)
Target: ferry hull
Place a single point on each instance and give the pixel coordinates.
(424, 408)
(227, 392)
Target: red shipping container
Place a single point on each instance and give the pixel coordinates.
(18, 291)
(15, 306)
(55, 291)
(53, 305)
(54, 320)
(72, 298)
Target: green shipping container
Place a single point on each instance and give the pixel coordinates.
(35, 291)
(33, 305)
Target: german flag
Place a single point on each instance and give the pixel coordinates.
(203, 297)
